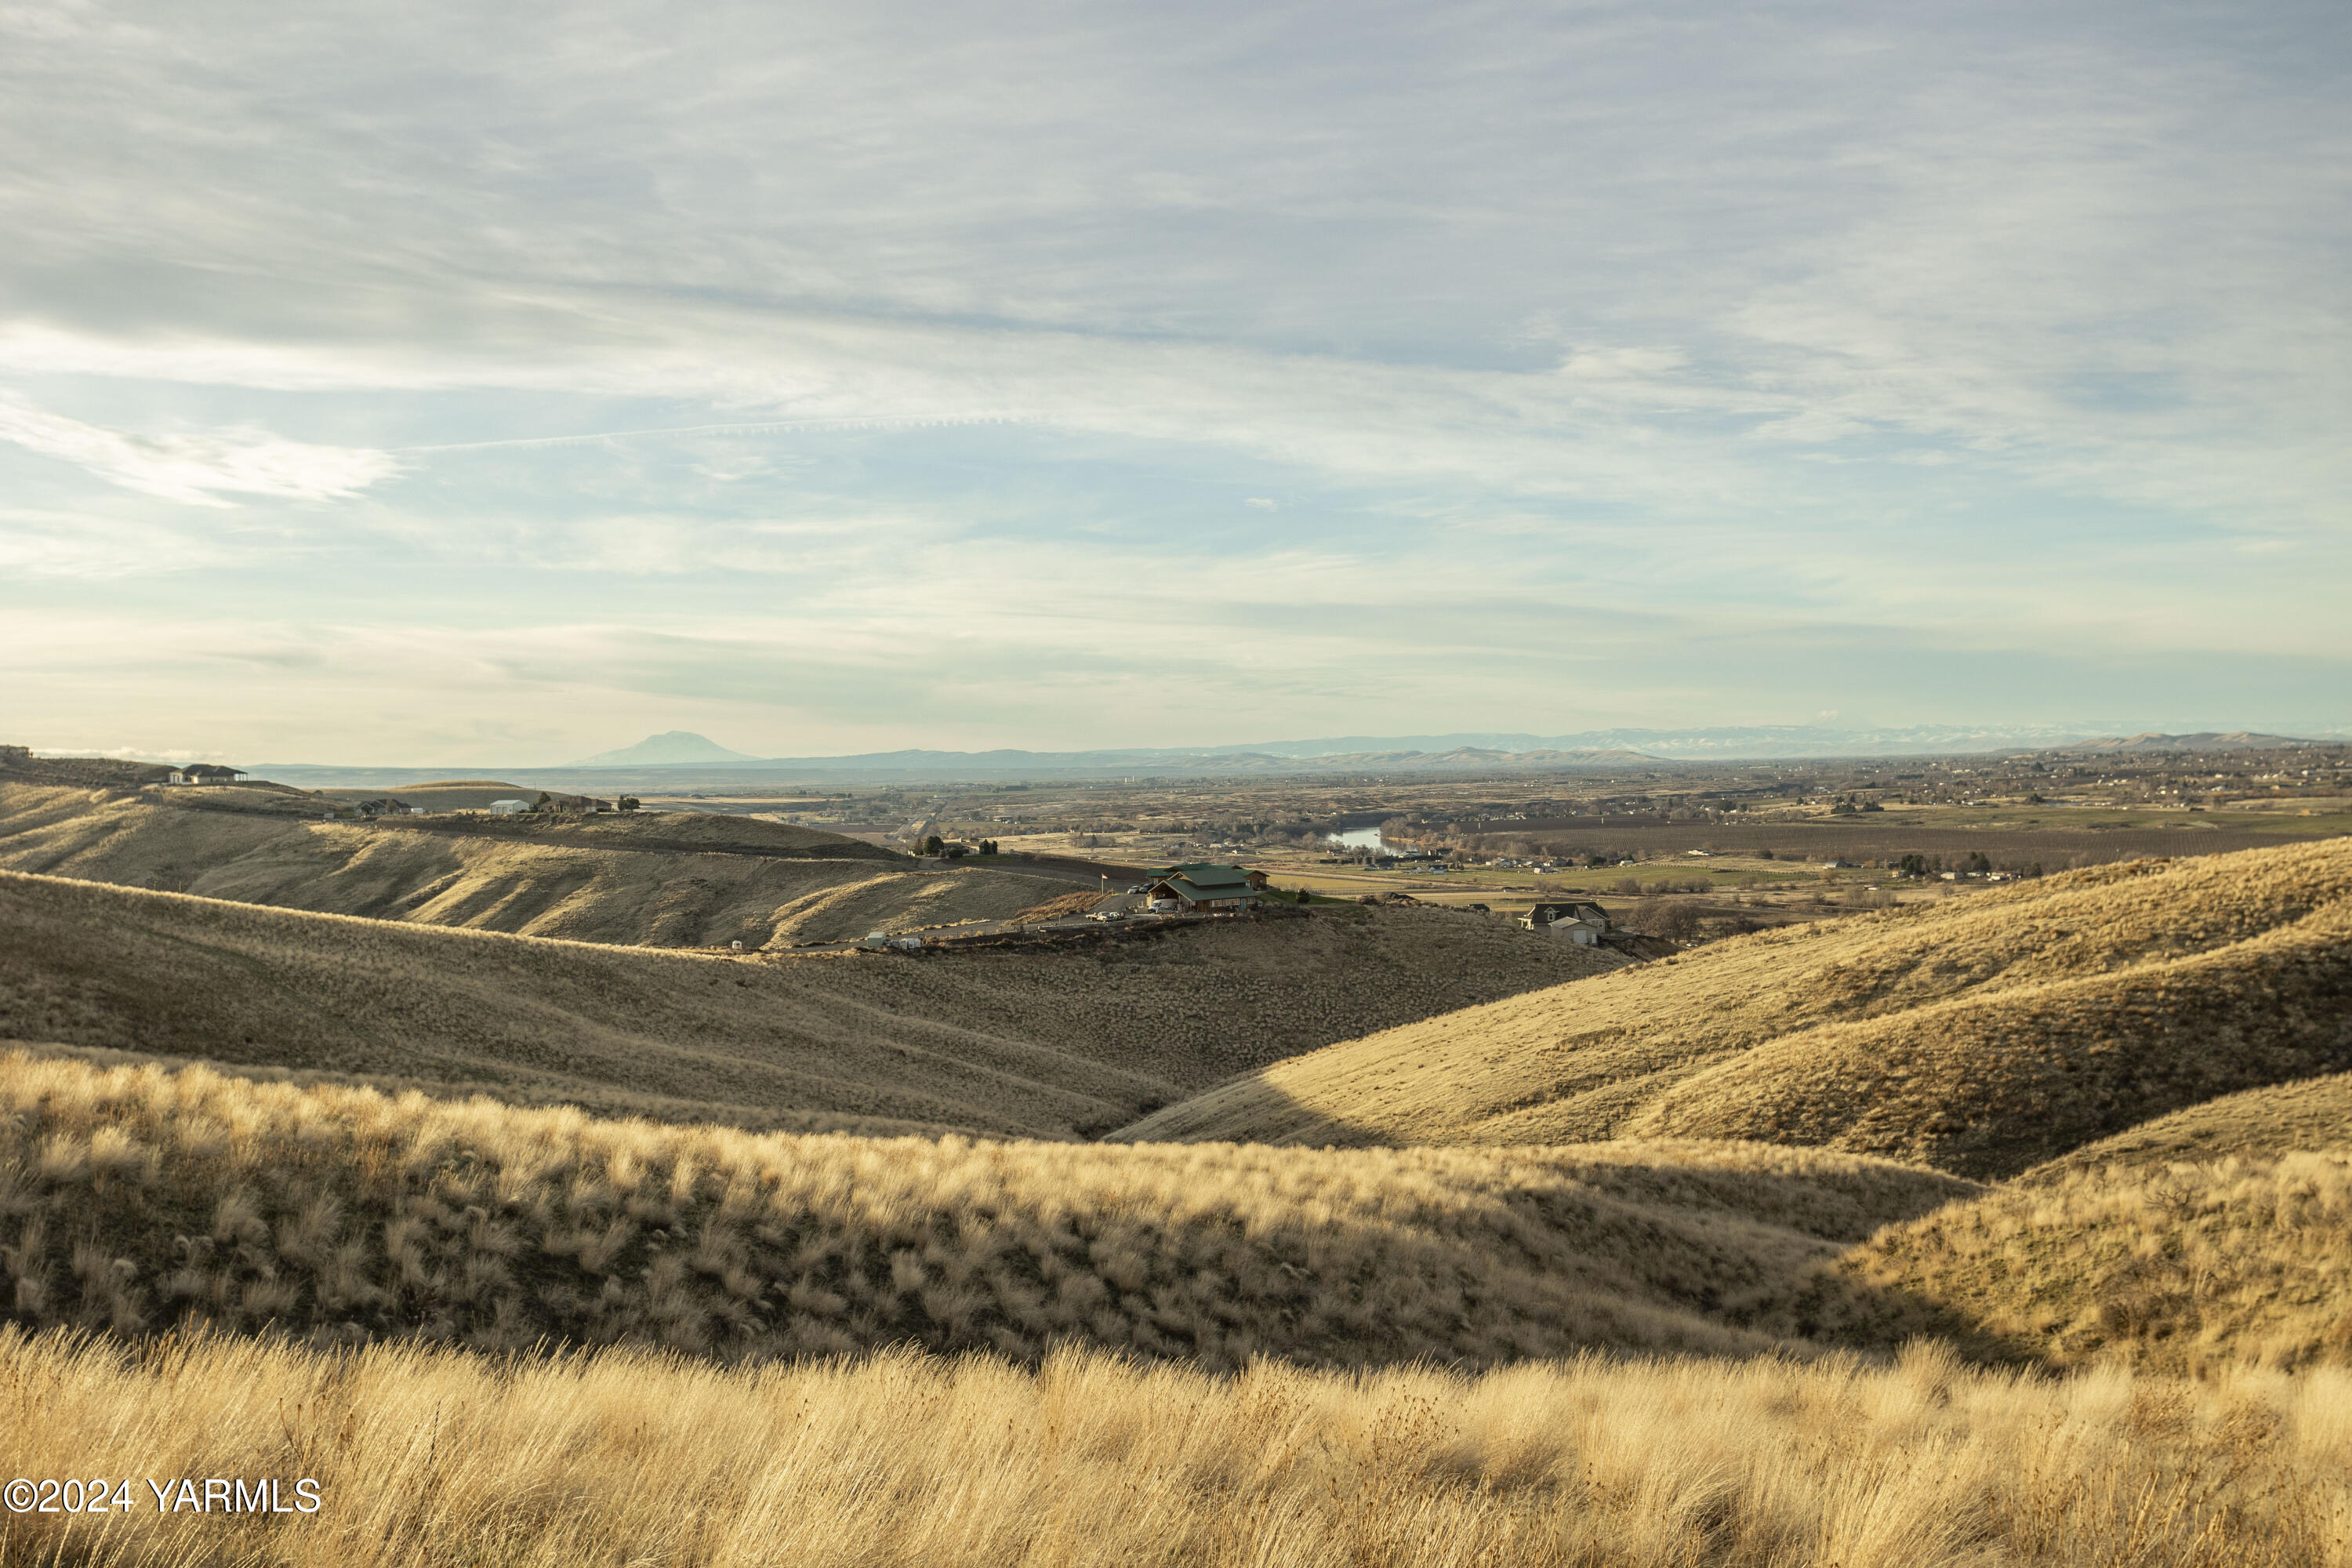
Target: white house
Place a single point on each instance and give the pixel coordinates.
(509, 807)
(1582, 923)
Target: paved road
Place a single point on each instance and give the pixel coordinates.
(1078, 868)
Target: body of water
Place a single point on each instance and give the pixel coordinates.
(1361, 838)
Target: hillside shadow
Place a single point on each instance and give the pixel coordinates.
(1694, 1235)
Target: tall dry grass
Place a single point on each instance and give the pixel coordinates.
(2307, 1114)
(2179, 1266)
(447, 1459)
(138, 1199)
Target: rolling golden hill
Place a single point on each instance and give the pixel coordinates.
(2218, 1236)
(2178, 1268)
(1640, 1349)
(2304, 1116)
(662, 879)
(139, 1198)
(1982, 1035)
(1013, 1042)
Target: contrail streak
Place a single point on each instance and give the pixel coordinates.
(876, 421)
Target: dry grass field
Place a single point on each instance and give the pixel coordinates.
(1984, 1036)
(445, 1459)
(2309, 1114)
(2177, 1268)
(2051, 838)
(1013, 1043)
(668, 880)
(137, 1199)
(2010, 1230)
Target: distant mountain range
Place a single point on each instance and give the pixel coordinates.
(1724, 743)
(2203, 741)
(681, 760)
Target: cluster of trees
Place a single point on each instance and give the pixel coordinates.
(935, 844)
(1669, 918)
(1975, 863)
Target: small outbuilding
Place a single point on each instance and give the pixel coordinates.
(509, 807)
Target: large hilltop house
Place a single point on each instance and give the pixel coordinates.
(204, 774)
(1583, 924)
(1183, 889)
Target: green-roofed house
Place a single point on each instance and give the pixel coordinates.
(1201, 887)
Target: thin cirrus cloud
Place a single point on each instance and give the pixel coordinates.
(200, 469)
(2008, 330)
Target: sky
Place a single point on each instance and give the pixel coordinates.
(464, 384)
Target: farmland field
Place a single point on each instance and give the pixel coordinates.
(2011, 845)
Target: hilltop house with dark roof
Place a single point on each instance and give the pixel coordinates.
(1203, 886)
(204, 774)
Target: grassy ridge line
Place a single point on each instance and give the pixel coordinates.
(1992, 1086)
(1021, 1044)
(568, 1095)
(2177, 1268)
(2308, 1115)
(138, 1199)
(662, 879)
(89, 964)
(2119, 955)
(628, 1457)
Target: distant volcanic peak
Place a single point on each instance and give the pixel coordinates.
(658, 751)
